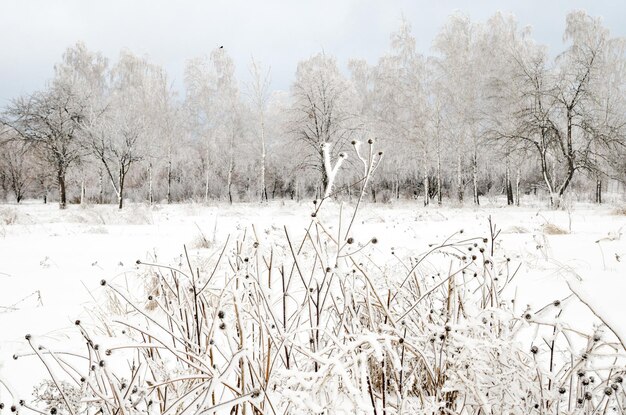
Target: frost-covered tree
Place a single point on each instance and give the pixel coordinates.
(322, 113)
(212, 101)
(259, 93)
(402, 107)
(118, 133)
(562, 112)
(50, 120)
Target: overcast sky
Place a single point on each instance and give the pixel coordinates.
(34, 33)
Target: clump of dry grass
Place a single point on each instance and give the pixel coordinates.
(552, 229)
(619, 211)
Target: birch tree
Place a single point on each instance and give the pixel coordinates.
(212, 101)
(258, 89)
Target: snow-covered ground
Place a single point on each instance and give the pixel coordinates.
(51, 261)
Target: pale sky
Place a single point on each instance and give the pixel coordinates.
(34, 33)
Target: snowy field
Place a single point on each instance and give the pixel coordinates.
(52, 261)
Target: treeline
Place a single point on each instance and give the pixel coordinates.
(488, 112)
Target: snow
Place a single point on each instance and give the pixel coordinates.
(52, 261)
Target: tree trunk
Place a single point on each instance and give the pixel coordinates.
(120, 192)
(62, 194)
(101, 194)
(508, 185)
(475, 177)
(517, 186)
(598, 190)
(426, 181)
(82, 191)
(324, 180)
(150, 194)
(263, 188)
(169, 181)
(231, 167)
(206, 181)
(439, 197)
(459, 177)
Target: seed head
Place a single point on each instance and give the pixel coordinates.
(350, 240)
(220, 314)
(608, 391)
(534, 350)
(103, 282)
(588, 396)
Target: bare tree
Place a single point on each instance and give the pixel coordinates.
(50, 120)
(321, 112)
(554, 106)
